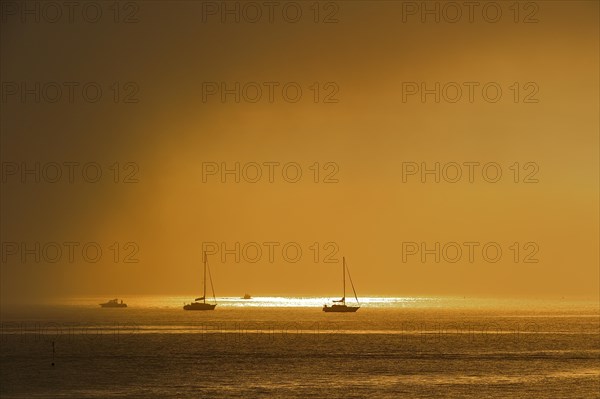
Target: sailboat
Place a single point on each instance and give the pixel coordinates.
(200, 303)
(340, 305)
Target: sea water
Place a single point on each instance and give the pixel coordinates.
(290, 348)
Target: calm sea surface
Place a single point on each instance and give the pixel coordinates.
(289, 348)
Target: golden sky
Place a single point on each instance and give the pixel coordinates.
(546, 121)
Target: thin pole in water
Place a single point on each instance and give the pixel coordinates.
(53, 353)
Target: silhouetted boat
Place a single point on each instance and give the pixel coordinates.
(340, 305)
(200, 303)
(246, 296)
(114, 303)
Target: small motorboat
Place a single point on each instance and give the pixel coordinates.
(114, 303)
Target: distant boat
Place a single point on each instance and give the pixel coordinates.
(246, 296)
(114, 303)
(200, 303)
(340, 305)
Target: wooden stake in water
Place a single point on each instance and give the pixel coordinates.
(53, 353)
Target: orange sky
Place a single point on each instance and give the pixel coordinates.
(369, 133)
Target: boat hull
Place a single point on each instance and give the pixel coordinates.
(199, 306)
(112, 305)
(340, 309)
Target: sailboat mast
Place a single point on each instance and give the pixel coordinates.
(204, 294)
(344, 278)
